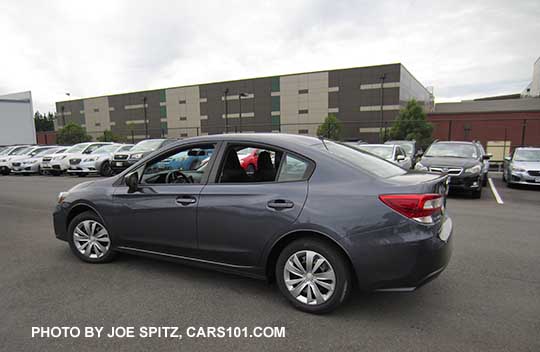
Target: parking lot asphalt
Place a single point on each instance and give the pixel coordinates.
(488, 299)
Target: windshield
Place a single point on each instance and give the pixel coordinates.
(364, 161)
(105, 149)
(146, 146)
(384, 152)
(21, 151)
(407, 146)
(454, 150)
(77, 148)
(39, 151)
(527, 155)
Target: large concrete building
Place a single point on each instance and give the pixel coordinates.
(16, 119)
(294, 103)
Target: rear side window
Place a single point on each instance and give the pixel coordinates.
(362, 160)
(293, 169)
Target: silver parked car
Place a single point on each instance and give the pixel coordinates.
(32, 165)
(97, 162)
(523, 167)
(61, 162)
(391, 152)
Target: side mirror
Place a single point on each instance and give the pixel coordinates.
(132, 181)
(419, 153)
(486, 156)
(400, 158)
(507, 158)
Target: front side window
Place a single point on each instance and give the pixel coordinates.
(184, 165)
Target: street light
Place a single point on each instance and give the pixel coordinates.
(240, 108)
(226, 91)
(145, 120)
(383, 77)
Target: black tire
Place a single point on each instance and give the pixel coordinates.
(82, 174)
(485, 180)
(477, 194)
(55, 172)
(504, 177)
(339, 264)
(89, 215)
(106, 169)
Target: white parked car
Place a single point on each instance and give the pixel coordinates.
(7, 154)
(60, 162)
(14, 160)
(32, 165)
(99, 161)
(391, 152)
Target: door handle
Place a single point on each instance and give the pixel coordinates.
(186, 200)
(280, 204)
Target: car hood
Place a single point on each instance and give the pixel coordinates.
(449, 161)
(527, 165)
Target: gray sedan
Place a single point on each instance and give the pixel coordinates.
(317, 217)
(523, 167)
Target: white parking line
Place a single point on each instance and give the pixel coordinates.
(494, 191)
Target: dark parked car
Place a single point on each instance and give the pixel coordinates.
(316, 216)
(123, 160)
(463, 162)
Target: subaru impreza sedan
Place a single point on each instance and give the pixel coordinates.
(316, 217)
(523, 167)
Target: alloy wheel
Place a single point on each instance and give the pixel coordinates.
(91, 239)
(309, 277)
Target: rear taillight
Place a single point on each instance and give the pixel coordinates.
(419, 207)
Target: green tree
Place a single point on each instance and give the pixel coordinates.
(43, 122)
(412, 123)
(331, 128)
(108, 136)
(72, 134)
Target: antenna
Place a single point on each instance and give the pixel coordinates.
(323, 142)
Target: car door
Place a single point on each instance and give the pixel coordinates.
(239, 214)
(162, 215)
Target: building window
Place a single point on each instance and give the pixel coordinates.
(98, 124)
(162, 111)
(275, 84)
(303, 131)
(276, 120)
(96, 110)
(181, 101)
(162, 96)
(183, 118)
(303, 91)
(303, 111)
(183, 134)
(276, 103)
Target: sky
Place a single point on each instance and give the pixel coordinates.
(464, 49)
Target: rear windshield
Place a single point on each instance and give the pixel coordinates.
(362, 160)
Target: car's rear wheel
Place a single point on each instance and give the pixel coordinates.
(89, 239)
(313, 275)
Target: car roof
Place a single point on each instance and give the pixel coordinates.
(530, 148)
(455, 142)
(270, 138)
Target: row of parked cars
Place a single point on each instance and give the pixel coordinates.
(102, 158)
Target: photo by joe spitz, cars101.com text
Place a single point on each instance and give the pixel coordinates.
(278, 176)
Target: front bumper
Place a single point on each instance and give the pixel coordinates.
(83, 168)
(403, 258)
(524, 178)
(121, 165)
(26, 169)
(465, 182)
(60, 222)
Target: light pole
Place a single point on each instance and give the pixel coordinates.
(383, 77)
(63, 116)
(240, 95)
(145, 120)
(226, 111)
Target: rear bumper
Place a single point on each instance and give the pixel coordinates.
(403, 261)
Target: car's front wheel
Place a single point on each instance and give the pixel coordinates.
(313, 275)
(89, 239)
